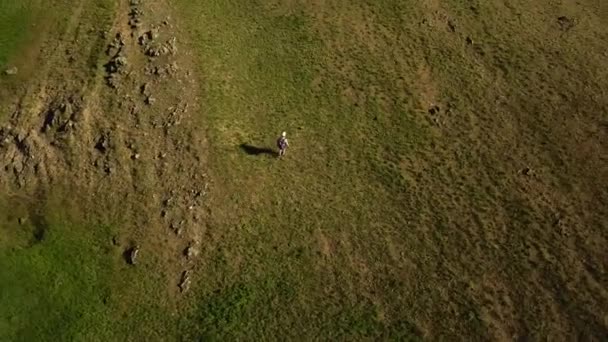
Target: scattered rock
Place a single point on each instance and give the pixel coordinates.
(67, 126)
(157, 50)
(60, 116)
(135, 156)
(49, 119)
(22, 220)
(119, 39)
(116, 44)
(113, 81)
(172, 44)
(134, 23)
(150, 100)
(469, 40)
(115, 241)
(177, 227)
(147, 37)
(136, 12)
(11, 71)
(153, 51)
(172, 68)
(116, 64)
(184, 283)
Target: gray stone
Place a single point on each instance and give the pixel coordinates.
(152, 35)
(152, 52)
(192, 252)
(150, 100)
(102, 144)
(11, 71)
(184, 283)
(526, 171)
(451, 26)
(131, 255)
(121, 61)
(145, 89)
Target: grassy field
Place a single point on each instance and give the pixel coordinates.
(64, 280)
(403, 208)
(445, 181)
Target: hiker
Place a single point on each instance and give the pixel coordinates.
(282, 144)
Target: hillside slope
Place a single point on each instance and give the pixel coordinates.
(445, 179)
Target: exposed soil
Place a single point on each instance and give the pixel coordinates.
(115, 134)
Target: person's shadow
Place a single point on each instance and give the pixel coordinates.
(256, 151)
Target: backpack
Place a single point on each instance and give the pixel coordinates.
(282, 143)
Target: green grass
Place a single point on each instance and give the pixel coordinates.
(64, 280)
(57, 287)
(260, 67)
(384, 220)
(15, 19)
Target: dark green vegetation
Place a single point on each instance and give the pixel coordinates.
(64, 281)
(60, 280)
(446, 180)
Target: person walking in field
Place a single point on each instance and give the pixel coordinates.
(282, 144)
